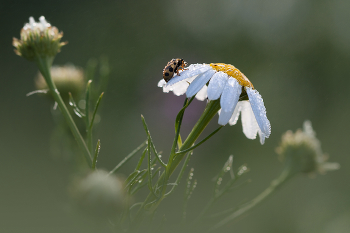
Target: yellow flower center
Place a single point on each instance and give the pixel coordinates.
(232, 71)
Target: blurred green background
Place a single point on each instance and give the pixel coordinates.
(295, 52)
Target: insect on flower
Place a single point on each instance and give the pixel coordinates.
(172, 67)
(236, 93)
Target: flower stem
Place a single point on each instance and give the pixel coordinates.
(211, 109)
(44, 65)
(275, 184)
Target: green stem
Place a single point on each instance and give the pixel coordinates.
(87, 116)
(127, 158)
(44, 64)
(210, 111)
(275, 184)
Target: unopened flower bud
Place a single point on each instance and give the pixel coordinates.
(99, 194)
(68, 78)
(304, 150)
(38, 39)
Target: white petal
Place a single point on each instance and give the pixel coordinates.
(199, 82)
(180, 88)
(224, 117)
(229, 100)
(235, 114)
(191, 71)
(216, 85)
(202, 94)
(259, 110)
(262, 137)
(249, 124)
(161, 83)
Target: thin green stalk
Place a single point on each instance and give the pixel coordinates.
(178, 123)
(97, 151)
(149, 170)
(44, 65)
(129, 156)
(90, 123)
(210, 111)
(201, 142)
(275, 184)
(87, 115)
(95, 111)
(181, 173)
(151, 142)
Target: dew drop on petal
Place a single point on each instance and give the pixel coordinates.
(216, 85)
(229, 100)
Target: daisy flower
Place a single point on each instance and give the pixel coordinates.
(224, 81)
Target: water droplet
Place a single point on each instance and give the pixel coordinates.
(77, 113)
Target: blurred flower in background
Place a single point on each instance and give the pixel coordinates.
(67, 78)
(98, 193)
(304, 149)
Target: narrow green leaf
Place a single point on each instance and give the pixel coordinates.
(131, 176)
(129, 156)
(76, 110)
(97, 151)
(150, 186)
(178, 122)
(141, 159)
(142, 183)
(151, 142)
(95, 111)
(184, 166)
(135, 179)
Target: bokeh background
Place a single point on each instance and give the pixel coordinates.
(295, 52)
